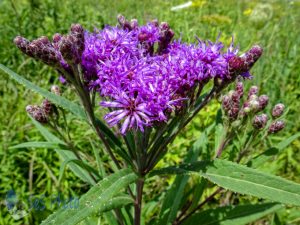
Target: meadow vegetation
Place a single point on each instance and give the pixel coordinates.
(273, 24)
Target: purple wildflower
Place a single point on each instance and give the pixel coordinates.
(143, 85)
(133, 111)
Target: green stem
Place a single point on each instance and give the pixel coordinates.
(138, 201)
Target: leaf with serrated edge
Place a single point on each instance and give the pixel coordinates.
(241, 179)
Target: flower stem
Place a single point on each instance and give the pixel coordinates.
(138, 201)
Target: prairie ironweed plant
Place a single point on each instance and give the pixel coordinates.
(151, 86)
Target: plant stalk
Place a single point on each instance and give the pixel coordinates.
(138, 201)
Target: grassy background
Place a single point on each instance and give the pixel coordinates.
(273, 24)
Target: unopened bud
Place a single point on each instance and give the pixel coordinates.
(123, 22)
(76, 28)
(236, 65)
(247, 110)
(66, 47)
(253, 91)
(239, 88)
(260, 121)
(134, 24)
(55, 89)
(252, 56)
(253, 98)
(263, 101)
(235, 97)
(37, 113)
(233, 112)
(56, 38)
(278, 110)
(47, 107)
(226, 103)
(276, 126)
(23, 45)
(166, 35)
(254, 105)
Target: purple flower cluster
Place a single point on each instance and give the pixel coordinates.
(144, 76)
(141, 74)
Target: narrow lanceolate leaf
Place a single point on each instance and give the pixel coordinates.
(241, 179)
(58, 100)
(65, 154)
(100, 198)
(230, 215)
(41, 144)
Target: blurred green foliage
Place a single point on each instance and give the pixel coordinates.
(274, 24)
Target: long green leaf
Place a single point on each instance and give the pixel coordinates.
(242, 179)
(65, 154)
(98, 199)
(230, 215)
(58, 100)
(41, 144)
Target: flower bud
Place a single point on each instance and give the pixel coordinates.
(226, 103)
(239, 88)
(23, 45)
(40, 49)
(166, 35)
(252, 56)
(123, 22)
(247, 110)
(235, 97)
(233, 113)
(278, 110)
(254, 105)
(55, 89)
(77, 32)
(66, 47)
(253, 98)
(134, 24)
(56, 38)
(155, 22)
(260, 121)
(253, 91)
(37, 113)
(47, 107)
(236, 65)
(276, 126)
(263, 101)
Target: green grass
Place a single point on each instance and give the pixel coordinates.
(273, 24)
